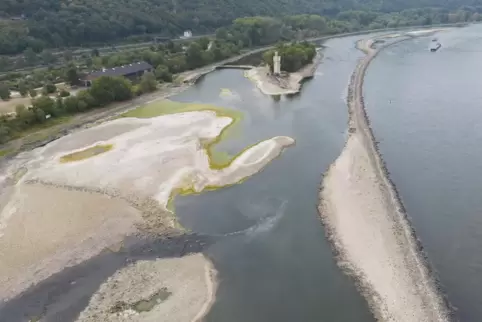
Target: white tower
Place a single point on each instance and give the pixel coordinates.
(276, 63)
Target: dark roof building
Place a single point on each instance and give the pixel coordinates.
(129, 71)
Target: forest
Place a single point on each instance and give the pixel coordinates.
(41, 24)
(171, 58)
(295, 55)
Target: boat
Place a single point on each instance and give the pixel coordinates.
(435, 47)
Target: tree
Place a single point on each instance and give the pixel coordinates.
(82, 106)
(44, 103)
(64, 93)
(4, 62)
(70, 104)
(30, 56)
(177, 64)
(72, 75)
(49, 88)
(4, 133)
(24, 116)
(86, 97)
(204, 42)
(4, 92)
(47, 57)
(59, 106)
(23, 89)
(106, 89)
(32, 92)
(68, 55)
(194, 56)
(148, 83)
(20, 109)
(39, 115)
(94, 52)
(162, 73)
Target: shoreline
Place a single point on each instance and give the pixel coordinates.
(388, 251)
(189, 78)
(272, 86)
(175, 143)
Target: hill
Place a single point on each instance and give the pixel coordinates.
(66, 23)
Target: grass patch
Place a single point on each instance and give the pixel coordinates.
(47, 124)
(142, 305)
(5, 152)
(87, 153)
(217, 159)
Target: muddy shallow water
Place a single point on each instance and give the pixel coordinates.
(264, 236)
(274, 262)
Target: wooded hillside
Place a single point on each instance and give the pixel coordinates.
(39, 24)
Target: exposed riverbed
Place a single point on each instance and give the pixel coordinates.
(273, 262)
(427, 120)
(264, 252)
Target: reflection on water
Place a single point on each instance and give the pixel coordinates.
(274, 263)
(425, 109)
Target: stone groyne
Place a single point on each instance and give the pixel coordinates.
(368, 227)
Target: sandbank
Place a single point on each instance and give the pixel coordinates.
(271, 85)
(187, 284)
(57, 212)
(368, 228)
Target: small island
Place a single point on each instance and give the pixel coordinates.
(285, 67)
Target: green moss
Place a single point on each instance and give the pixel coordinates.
(217, 159)
(87, 153)
(5, 152)
(149, 304)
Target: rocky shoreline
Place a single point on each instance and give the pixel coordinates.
(287, 85)
(60, 215)
(366, 223)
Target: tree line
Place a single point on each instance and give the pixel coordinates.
(104, 90)
(42, 24)
(294, 56)
(173, 58)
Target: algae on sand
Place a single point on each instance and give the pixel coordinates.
(217, 159)
(87, 153)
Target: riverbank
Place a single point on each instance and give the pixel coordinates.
(111, 194)
(366, 223)
(290, 84)
(174, 289)
(184, 80)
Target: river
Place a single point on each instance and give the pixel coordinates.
(425, 110)
(268, 245)
(274, 262)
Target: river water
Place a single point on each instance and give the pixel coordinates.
(426, 111)
(273, 260)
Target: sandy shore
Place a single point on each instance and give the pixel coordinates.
(370, 232)
(57, 214)
(270, 85)
(186, 285)
(169, 149)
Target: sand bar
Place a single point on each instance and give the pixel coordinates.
(270, 85)
(57, 212)
(187, 284)
(369, 230)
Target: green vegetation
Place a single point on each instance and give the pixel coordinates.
(87, 153)
(218, 159)
(61, 23)
(143, 305)
(168, 58)
(44, 109)
(5, 152)
(294, 55)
